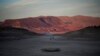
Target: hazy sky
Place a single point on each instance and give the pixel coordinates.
(12, 9)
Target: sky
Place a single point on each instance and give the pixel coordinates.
(13, 9)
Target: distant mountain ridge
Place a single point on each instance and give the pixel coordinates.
(52, 24)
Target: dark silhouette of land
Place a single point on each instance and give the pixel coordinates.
(11, 33)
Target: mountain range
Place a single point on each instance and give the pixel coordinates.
(52, 24)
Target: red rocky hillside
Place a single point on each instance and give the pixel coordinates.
(52, 24)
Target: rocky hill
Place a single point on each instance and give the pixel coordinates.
(52, 24)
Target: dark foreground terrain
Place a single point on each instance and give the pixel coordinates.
(84, 42)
